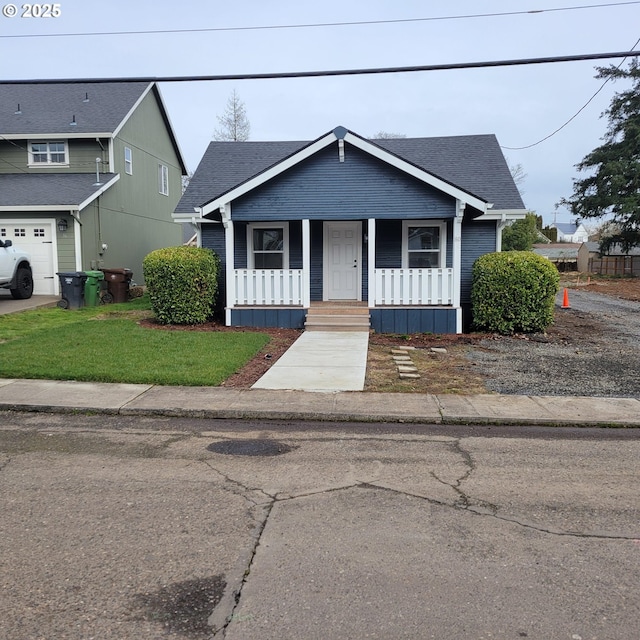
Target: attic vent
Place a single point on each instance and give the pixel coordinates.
(18, 110)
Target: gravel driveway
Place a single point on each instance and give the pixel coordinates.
(592, 349)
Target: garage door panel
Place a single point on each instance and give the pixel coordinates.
(37, 239)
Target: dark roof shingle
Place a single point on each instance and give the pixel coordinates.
(50, 108)
(473, 163)
(48, 190)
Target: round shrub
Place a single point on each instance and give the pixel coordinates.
(182, 283)
(513, 292)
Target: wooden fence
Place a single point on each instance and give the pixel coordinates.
(615, 265)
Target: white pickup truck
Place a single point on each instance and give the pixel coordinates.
(15, 270)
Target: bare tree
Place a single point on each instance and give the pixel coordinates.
(234, 124)
(519, 176)
(386, 135)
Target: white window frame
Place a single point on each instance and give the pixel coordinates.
(268, 225)
(163, 179)
(442, 252)
(49, 162)
(128, 161)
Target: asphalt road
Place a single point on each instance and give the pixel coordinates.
(118, 528)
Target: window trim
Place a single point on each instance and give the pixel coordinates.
(128, 161)
(268, 225)
(442, 251)
(32, 163)
(163, 179)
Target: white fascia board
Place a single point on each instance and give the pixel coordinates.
(40, 207)
(268, 174)
(99, 192)
(420, 174)
(135, 106)
(504, 214)
(66, 135)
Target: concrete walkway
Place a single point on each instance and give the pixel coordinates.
(265, 404)
(321, 361)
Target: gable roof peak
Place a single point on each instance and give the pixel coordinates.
(340, 132)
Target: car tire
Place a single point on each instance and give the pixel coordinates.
(24, 284)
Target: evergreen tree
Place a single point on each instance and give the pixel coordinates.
(234, 124)
(521, 234)
(613, 184)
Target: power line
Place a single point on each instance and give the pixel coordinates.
(575, 115)
(336, 72)
(322, 24)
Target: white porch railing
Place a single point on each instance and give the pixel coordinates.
(269, 287)
(415, 287)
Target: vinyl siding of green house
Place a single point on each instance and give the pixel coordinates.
(116, 211)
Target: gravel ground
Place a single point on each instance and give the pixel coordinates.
(592, 349)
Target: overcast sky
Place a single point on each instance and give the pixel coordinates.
(520, 105)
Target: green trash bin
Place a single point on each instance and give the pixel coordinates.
(92, 288)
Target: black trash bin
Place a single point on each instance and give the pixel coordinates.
(118, 281)
(72, 289)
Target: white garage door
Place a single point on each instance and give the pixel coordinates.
(37, 238)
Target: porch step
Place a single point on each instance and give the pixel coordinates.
(328, 317)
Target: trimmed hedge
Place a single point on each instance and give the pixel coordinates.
(182, 283)
(513, 292)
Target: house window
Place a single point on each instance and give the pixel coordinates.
(128, 161)
(48, 153)
(163, 179)
(423, 244)
(268, 246)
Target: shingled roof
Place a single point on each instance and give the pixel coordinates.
(55, 190)
(472, 163)
(40, 108)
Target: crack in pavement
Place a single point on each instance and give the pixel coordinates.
(224, 612)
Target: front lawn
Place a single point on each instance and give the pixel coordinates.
(106, 344)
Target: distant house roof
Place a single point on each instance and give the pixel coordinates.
(474, 164)
(60, 191)
(73, 109)
(568, 228)
(558, 250)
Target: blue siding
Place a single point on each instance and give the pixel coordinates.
(408, 321)
(361, 187)
(478, 238)
(213, 238)
(268, 318)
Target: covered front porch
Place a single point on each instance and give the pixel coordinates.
(406, 273)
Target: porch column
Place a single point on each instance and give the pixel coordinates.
(502, 223)
(456, 256)
(306, 263)
(77, 240)
(371, 256)
(230, 280)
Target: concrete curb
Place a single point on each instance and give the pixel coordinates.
(55, 396)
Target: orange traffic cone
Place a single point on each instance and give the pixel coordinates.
(565, 300)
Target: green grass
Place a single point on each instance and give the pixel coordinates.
(105, 344)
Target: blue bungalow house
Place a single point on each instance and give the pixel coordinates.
(345, 232)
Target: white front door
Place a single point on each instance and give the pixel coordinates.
(342, 261)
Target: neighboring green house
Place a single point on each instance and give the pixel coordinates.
(90, 174)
